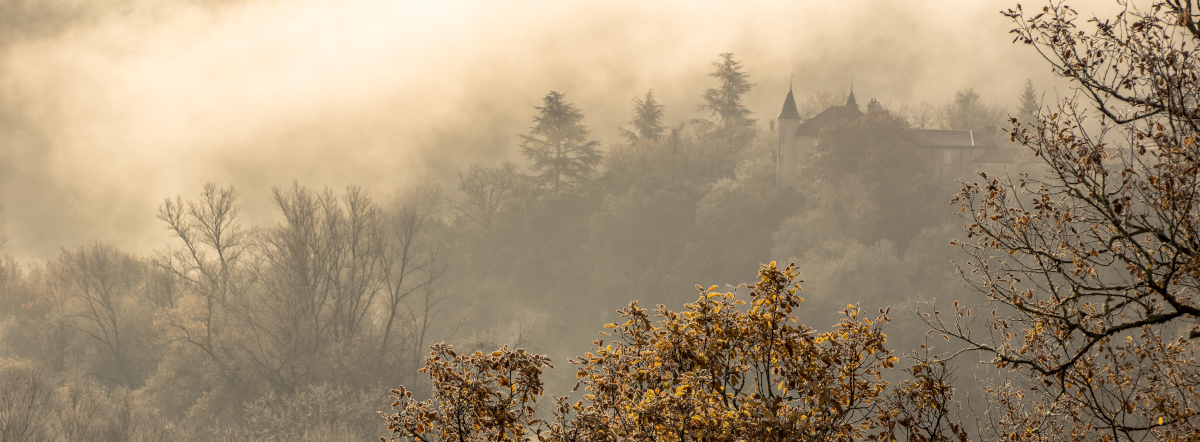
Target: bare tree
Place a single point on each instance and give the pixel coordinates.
(485, 190)
(967, 111)
(209, 264)
(320, 272)
(409, 256)
(88, 413)
(104, 280)
(26, 403)
(288, 317)
(921, 115)
(421, 311)
(358, 275)
(819, 101)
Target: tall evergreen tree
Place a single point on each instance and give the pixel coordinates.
(647, 119)
(725, 102)
(1027, 104)
(558, 144)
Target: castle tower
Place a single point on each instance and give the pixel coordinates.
(786, 154)
(798, 140)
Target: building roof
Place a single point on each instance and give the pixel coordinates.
(789, 108)
(828, 118)
(946, 138)
(850, 99)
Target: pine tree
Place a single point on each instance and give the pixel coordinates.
(725, 102)
(647, 119)
(558, 144)
(1027, 104)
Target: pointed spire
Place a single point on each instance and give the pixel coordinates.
(850, 102)
(789, 111)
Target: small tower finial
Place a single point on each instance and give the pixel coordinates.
(791, 78)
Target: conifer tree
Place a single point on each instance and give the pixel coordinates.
(1027, 104)
(725, 102)
(558, 144)
(647, 119)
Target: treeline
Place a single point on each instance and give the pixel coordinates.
(291, 330)
(203, 337)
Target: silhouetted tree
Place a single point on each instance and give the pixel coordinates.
(725, 101)
(210, 265)
(1027, 104)
(103, 280)
(880, 150)
(485, 190)
(26, 403)
(920, 116)
(968, 112)
(412, 268)
(647, 119)
(818, 102)
(321, 270)
(558, 144)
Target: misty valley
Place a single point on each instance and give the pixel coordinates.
(749, 260)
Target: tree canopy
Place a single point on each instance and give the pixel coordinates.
(724, 102)
(1027, 104)
(558, 144)
(877, 155)
(1092, 267)
(646, 119)
(967, 111)
(722, 369)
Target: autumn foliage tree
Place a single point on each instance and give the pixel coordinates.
(1091, 268)
(476, 397)
(723, 369)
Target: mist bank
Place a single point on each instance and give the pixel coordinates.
(113, 106)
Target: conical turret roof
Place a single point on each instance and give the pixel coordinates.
(850, 100)
(789, 108)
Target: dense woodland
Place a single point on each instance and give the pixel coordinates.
(227, 328)
(297, 330)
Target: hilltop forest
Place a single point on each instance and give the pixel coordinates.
(223, 331)
(854, 305)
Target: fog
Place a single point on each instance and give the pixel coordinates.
(111, 107)
(114, 105)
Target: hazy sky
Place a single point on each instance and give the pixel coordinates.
(108, 108)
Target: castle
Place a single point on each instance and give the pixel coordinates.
(950, 154)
